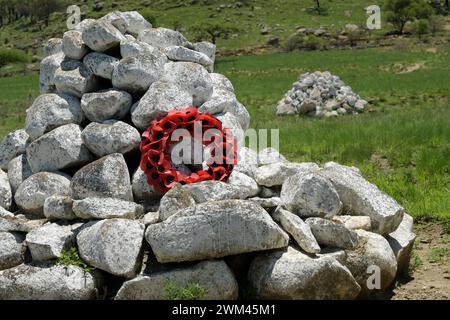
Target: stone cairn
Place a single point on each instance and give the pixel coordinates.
(71, 179)
(320, 94)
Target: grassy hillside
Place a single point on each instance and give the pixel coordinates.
(402, 144)
(281, 17)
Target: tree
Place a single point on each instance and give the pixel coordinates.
(41, 9)
(399, 12)
(213, 31)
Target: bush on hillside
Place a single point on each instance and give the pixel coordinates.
(301, 42)
(399, 12)
(8, 56)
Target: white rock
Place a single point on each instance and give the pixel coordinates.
(5, 213)
(215, 229)
(230, 122)
(134, 21)
(162, 37)
(50, 111)
(110, 137)
(48, 282)
(178, 53)
(275, 174)
(310, 195)
(150, 218)
(215, 191)
(73, 46)
(174, 200)
(106, 208)
(5, 191)
(19, 224)
(267, 203)
(31, 194)
(48, 241)
(112, 245)
(354, 222)
(298, 229)
(107, 177)
(332, 234)
(247, 162)
(12, 250)
(131, 47)
(13, 145)
(362, 198)
(101, 36)
(159, 99)
(214, 276)
(269, 156)
(65, 146)
(106, 104)
(207, 48)
(59, 208)
(101, 64)
(52, 46)
(136, 74)
(402, 242)
(142, 190)
(247, 185)
(291, 274)
(48, 67)
(372, 250)
(74, 78)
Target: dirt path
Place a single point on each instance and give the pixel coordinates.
(430, 260)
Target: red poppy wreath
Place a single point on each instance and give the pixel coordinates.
(156, 146)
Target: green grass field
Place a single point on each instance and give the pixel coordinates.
(402, 144)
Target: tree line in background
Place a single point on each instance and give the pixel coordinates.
(32, 10)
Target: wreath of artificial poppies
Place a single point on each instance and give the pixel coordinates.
(156, 143)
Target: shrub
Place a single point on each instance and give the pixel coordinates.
(192, 291)
(421, 27)
(72, 258)
(212, 31)
(309, 42)
(399, 12)
(8, 56)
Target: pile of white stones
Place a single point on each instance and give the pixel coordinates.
(275, 230)
(320, 94)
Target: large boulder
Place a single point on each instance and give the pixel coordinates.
(31, 194)
(354, 222)
(298, 229)
(50, 111)
(136, 73)
(12, 250)
(332, 234)
(11, 223)
(107, 177)
(310, 195)
(291, 274)
(48, 67)
(100, 64)
(110, 137)
(13, 145)
(59, 207)
(372, 260)
(48, 282)
(162, 37)
(215, 277)
(106, 208)
(59, 149)
(106, 104)
(49, 241)
(5, 191)
(275, 174)
(101, 35)
(362, 198)
(402, 242)
(216, 190)
(215, 229)
(131, 21)
(179, 53)
(74, 78)
(112, 245)
(142, 191)
(73, 45)
(18, 170)
(175, 199)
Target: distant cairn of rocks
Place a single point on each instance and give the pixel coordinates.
(79, 219)
(320, 94)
